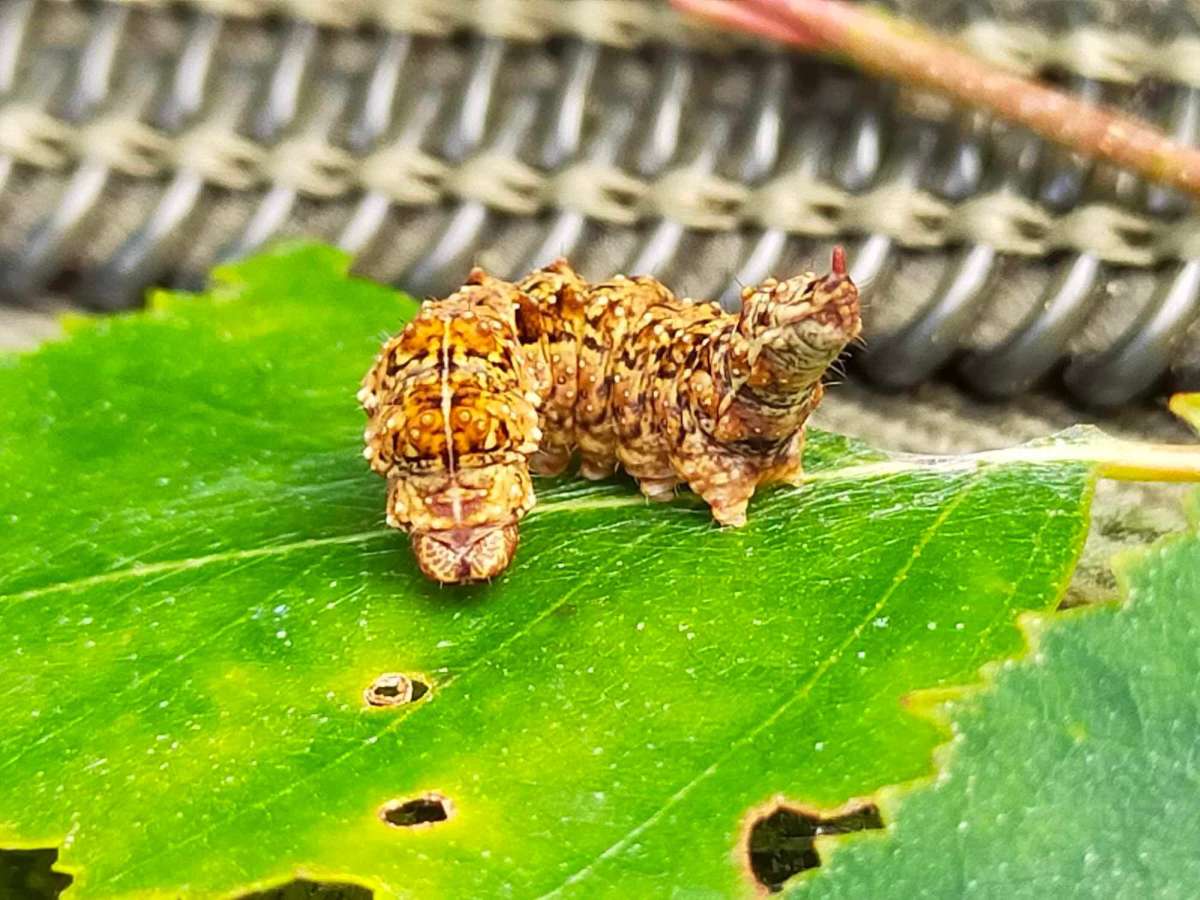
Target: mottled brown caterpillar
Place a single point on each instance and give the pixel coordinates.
(501, 379)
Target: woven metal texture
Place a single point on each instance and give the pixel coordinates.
(142, 143)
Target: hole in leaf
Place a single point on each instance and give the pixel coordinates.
(30, 875)
(312, 890)
(394, 689)
(423, 810)
(781, 842)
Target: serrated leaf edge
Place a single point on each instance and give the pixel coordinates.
(940, 706)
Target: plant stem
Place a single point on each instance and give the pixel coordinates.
(744, 18)
(1113, 458)
(1187, 407)
(910, 54)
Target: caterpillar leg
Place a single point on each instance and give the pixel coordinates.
(788, 472)
(550, 461)
(659, 490)
(597, 468)
(727, 491)
(728, 501)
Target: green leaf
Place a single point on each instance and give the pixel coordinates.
(196, 588)
(1076, 776)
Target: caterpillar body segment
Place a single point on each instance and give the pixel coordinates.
(501, 379)
(452, 423)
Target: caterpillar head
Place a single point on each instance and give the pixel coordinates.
(474, 553)
(463, 524)
(799, 326)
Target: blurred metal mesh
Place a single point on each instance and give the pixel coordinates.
(142, 143)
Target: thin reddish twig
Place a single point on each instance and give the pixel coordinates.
(908, 53)
(744, 18)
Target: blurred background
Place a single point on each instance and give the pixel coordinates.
(1011, 288)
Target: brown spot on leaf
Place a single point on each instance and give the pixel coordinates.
(394, 689)
(302, 889)
(780, 840)
(428, 809)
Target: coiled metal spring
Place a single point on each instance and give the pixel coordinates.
(164, 141)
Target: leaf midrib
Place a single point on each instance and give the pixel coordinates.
(856, 472)
(166, 567)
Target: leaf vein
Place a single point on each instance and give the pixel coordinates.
(831, 660)
(401, 717)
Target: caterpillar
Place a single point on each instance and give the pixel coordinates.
(502, 379)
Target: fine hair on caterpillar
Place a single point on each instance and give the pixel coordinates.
(501, 379)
